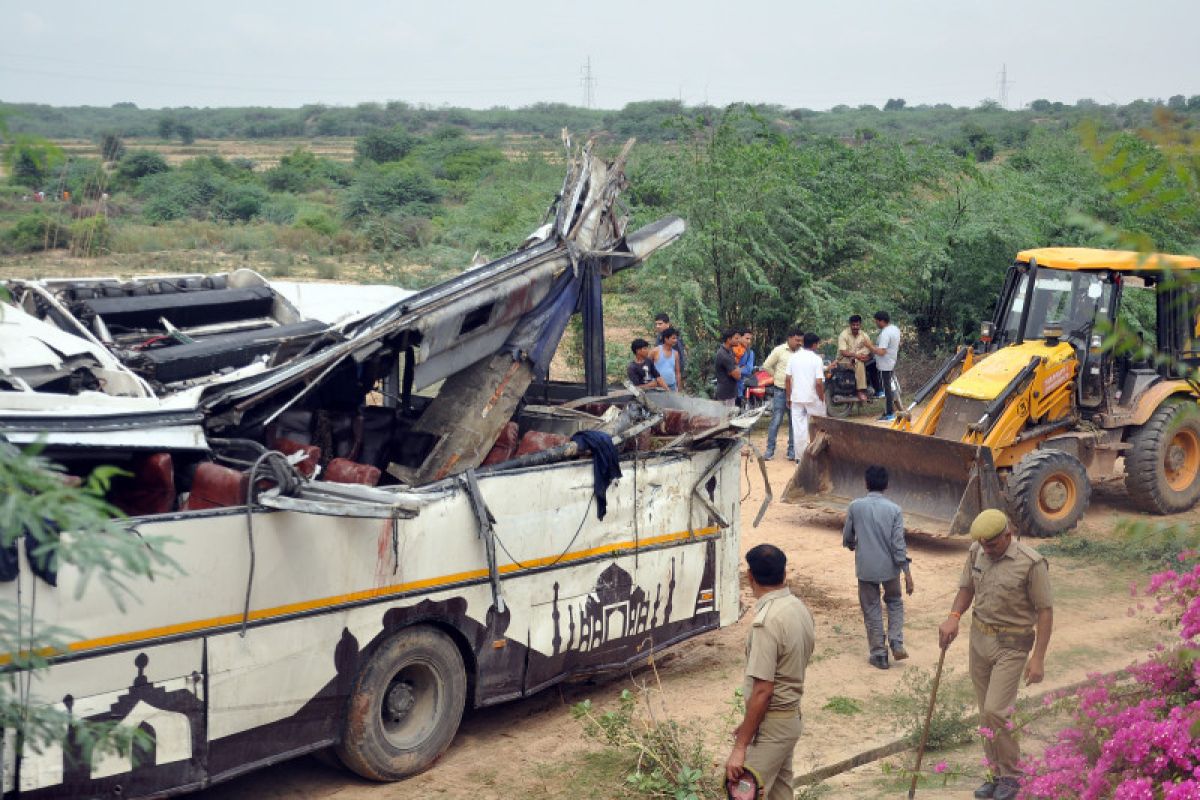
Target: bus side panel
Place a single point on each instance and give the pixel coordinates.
(159, 690)
(282, 689)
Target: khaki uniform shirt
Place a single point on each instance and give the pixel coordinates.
(779, 646)
(1010, 590)
(851, 343)
(777, 363)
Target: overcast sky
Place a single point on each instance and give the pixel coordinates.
(482, 53)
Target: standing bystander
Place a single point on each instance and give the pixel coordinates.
(778, 650)
(886, 351)
(745, 362)
(667, 360)
(641, 371)
(805, 389)
(874, 532)
(1009, 583)
(661, 323)
(777, 364)
(726, 369)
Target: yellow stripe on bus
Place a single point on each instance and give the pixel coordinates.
(370, 594)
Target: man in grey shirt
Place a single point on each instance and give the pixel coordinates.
(874, 530)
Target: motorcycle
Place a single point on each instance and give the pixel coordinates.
(757, 383)
(841, 398)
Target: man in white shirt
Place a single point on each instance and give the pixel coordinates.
(805, 388)
(886, 349)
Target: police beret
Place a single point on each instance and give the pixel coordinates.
(990, 523)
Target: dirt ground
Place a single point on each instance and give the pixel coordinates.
(534, 748)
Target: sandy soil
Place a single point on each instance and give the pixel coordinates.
(532, 748)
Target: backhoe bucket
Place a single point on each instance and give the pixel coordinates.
(940, 485)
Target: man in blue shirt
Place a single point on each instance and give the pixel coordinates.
(874, 531)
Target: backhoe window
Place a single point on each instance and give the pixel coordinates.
(1078, 300)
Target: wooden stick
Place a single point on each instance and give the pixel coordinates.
(937, 678)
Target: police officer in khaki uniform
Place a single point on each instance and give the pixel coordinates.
(1009, 583)
(777, 652)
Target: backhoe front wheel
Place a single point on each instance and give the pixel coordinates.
(405, 706)
(1162, 465)
(1048, 492)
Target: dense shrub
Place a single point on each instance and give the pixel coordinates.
(382, 190)
(1137, 738)
(238, 202)
(91, 236)
(385, 144)
(137, 164)
(318, 221)
(34, 232)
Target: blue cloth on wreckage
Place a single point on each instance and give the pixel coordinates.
(606, 466)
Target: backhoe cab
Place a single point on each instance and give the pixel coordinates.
(1043, 404)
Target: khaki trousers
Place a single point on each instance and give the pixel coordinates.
(770, 754)
(860, 372)
(996, 664)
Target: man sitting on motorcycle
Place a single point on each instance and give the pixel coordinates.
(854, 350)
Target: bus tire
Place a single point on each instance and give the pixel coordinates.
(405, 706)
(1162, 465)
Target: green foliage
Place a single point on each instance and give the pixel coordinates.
(238, 201)
(667, 759)
(91, 236)
(66, 525)
(137, 164)
(382, 145)
(318, 221)
(846, 706)
(31, 160)
(951, 723)
(35, 232)
(84, 178)
(381, 190)
(112, 147)
(1145, 545)
(185, 132)
(201, 188)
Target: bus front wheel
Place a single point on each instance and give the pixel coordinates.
(405, 707)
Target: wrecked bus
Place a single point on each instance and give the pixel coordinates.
(383, 520)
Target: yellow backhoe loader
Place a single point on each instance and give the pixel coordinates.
(1039, 408)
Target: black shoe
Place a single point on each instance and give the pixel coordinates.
(879, 662)
(986, 790)
(899, 653)
(1006, 789)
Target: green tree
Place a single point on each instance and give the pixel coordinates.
(137, 164)
(112, 147)
(32, 160)
(166, 127)
(382, 145)
(186, 133)
(383, 189)
(894, 104)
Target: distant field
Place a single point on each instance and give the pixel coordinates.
(265, 153)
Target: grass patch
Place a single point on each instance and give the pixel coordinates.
(1144, 545)
(847, 706)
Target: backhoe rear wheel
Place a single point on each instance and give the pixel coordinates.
(1162, 465)
(1048, 491)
